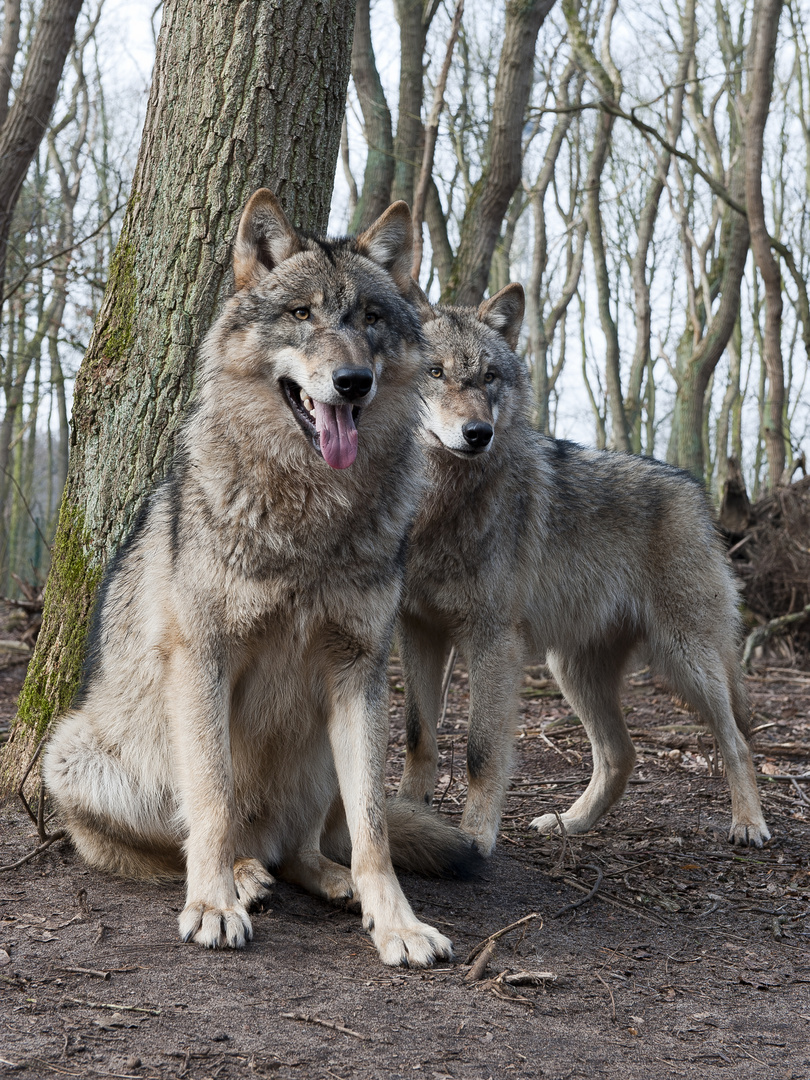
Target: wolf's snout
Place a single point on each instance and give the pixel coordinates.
(352, 383)
(477, 433)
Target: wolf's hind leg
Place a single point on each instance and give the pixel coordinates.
(254, 883)
(115, 823)
(495, 671)
(590, 682)
(318, 875)
(713, 687)
(422, 651)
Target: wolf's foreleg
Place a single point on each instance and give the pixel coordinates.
(422, 651)
(495, 668)
(198, 702)
(358, 732)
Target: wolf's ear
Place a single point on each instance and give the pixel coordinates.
(424, 308)
(265, 238)
(389, 242)
(504, 312)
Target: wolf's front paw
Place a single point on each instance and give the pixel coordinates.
(749, 833)
(215, 928)
(413, 946)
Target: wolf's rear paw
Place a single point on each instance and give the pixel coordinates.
(414, 946)
(254, 884)
(416, 788)
(549, 823)
(484, 837)
(748, 834)
(215, 928)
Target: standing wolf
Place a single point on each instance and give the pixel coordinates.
(526, 545)
(237, 670)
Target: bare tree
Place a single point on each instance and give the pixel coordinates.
(503, 158)
(379, 172)
(24, 123)
(761, 52)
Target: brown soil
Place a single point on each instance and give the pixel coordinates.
(690, 960)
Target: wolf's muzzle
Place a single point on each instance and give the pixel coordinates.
(353, 383)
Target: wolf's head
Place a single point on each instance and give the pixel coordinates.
(473, 382)
(316, 322)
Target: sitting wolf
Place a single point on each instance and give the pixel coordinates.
(237, 669)
(526, 546)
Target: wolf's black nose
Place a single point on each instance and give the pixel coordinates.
(352, 382)
(477, 433)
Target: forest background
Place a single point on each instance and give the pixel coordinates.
(643, 169)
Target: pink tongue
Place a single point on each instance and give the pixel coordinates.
(335, 425)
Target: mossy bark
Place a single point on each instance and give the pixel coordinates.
(243, 96)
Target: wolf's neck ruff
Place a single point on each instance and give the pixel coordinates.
(338, 435)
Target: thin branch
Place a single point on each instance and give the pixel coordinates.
(631, 118)
(18, 284)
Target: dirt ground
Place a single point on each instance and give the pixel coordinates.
(691, 959)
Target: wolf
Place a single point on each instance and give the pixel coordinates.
(236, 684)
(527, 547)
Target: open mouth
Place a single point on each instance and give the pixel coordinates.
(331, 429)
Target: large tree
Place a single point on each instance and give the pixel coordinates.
(243, 95)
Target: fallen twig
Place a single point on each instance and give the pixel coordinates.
(617, 903)
(559, 865)
(499, 987)
(479, 966)
(113, 1008)
(760, 634)
(305, 1018)
(85, 971)
(529, 978)
(583, 899)
(500, 933)
(786, 778)
(59, 835)
(612, 999)
(15, 647)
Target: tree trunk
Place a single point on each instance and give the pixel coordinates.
(697, 370)
(608, 83)
(414, 22)
(8, 52)
(431, 134)
(243, 95)
(646, 228)
(379, 172)
(488, 202)
(761, 54)
(26, 120)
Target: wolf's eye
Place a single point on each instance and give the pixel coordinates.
(489, 377)
(372, 317)
(301, 313)
(436, 372)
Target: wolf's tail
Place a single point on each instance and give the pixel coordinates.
(421, 841)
